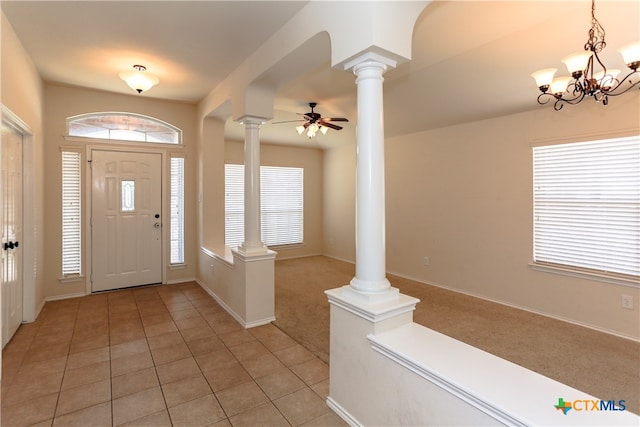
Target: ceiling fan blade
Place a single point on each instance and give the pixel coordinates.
(335, 119)
(286, 121)
(329, 125)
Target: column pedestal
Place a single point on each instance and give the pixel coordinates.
(255, 288)
(353, 363)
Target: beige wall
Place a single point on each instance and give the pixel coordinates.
(310, 160)
(339, 177)
(462, 196)
(211, 185)
(62, 102)
(21, 92)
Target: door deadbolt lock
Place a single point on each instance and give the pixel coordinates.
(10, 245)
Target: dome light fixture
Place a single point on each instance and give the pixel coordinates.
(139, 80)
(584, 80)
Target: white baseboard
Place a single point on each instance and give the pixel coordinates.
(65, 296)
(175, 281)
(342, 413)
(260, 322)
(348, 261)
(219, 300)
(282, 257)
(37, 312)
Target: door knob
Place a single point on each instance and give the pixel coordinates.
(156, 225)
(9, 245)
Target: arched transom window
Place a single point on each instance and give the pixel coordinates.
(123, 127)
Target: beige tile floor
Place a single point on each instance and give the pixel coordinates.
(158, 356)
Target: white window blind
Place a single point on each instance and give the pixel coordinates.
(587, 205)
(177, 210)
(71, 214)
(281, 205)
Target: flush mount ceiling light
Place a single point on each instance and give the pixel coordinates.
(139, 80)
(589, 76)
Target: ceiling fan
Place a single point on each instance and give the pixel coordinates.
(314, 122)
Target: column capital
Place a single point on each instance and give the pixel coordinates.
(370, 58)
(252, 121)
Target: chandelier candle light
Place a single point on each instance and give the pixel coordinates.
(586, 79)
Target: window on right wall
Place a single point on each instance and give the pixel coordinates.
(586, 207)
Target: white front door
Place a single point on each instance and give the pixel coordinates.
(11, 223)
(126, 223)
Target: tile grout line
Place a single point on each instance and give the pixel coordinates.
(201, 310)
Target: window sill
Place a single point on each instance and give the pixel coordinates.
(177, 266)
(71, 279)
(585, 274)
(286, 246)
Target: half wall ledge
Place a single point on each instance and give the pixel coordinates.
(243, 285)
(387, 370)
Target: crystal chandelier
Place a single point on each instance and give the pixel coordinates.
(589, 76)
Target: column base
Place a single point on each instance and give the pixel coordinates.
(370, 287)
(252, 250)
(370, 298)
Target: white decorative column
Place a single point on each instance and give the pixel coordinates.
(252, 243)
(368, 305)
(252, 294)
(370, 280)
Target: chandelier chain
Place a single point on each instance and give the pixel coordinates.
(596, 34)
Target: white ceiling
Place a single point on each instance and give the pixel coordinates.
(472, 60)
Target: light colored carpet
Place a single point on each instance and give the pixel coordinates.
(600, 364)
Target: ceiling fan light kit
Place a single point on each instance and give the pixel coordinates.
(585, 80)
(139, 80)
(314, 122)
